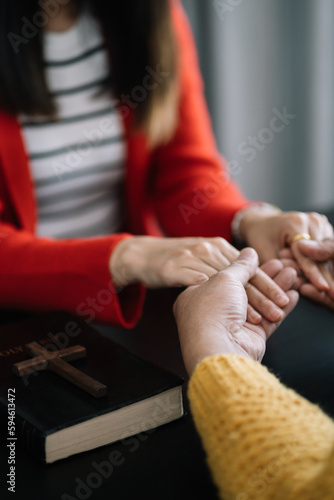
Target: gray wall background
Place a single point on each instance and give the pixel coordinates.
(257, 56)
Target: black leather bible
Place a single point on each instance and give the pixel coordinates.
(54, 418)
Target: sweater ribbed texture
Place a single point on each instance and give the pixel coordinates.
(263, 441)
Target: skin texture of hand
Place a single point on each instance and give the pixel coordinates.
(173, 262)
(269, 234)
(212, 318)
(319, 254)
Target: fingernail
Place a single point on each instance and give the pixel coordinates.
(323, 283)
(248, 252)
(282, 299)
(255, 317)
(276, 314)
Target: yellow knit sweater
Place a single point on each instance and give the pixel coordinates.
(263, 441)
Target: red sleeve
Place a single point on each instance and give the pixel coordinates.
(194, 194)
(39, 274)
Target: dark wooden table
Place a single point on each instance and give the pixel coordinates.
(169, 463)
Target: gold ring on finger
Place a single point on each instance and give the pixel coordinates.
(300, 236)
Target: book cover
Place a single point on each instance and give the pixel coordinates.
(52, 417)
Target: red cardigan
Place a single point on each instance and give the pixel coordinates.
(179, 189)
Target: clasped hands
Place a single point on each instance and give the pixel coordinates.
(212, 318)
(272, 236)
(176, 262)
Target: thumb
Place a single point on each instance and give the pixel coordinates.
(320, 251)
(245, 266)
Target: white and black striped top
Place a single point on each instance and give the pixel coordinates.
(77, 162)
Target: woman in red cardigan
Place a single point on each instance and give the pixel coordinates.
(104, 134)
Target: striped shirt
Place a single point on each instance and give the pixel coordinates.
(77, 161)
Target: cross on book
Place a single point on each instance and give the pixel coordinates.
(57, 361)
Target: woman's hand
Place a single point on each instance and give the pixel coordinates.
(321, 255)
(211, 318)
(269, 234)
(173, 262)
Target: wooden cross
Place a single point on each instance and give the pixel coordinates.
(56, 361)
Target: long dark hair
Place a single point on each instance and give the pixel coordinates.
(139, 38)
